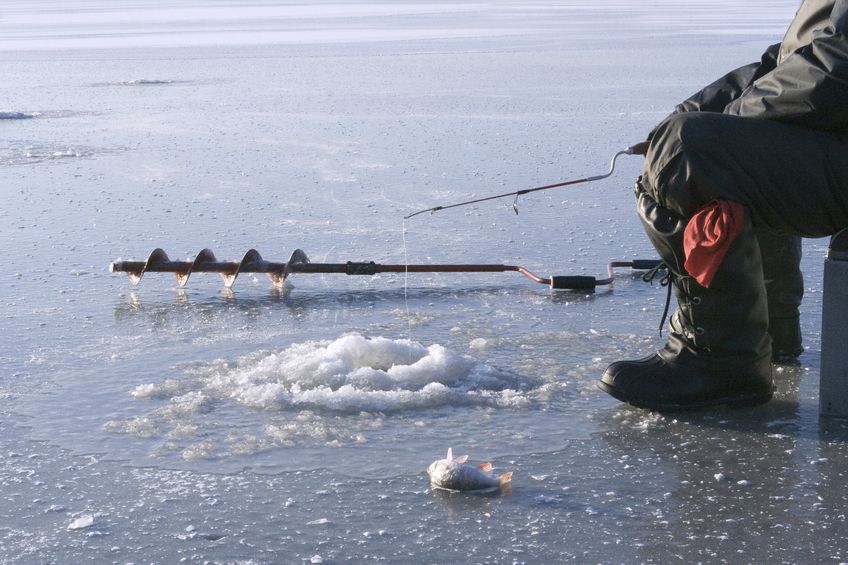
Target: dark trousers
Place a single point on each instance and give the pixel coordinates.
(792, 180)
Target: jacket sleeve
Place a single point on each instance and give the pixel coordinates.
(716, 96)
(810, 86)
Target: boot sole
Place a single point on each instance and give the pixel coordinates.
(740, 401)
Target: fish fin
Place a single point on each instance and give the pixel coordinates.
(450, 454)
(485, 467)
(461, 459)
(506, 478)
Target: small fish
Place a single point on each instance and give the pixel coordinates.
(454, 474)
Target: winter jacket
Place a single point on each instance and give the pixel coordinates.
(803, 80)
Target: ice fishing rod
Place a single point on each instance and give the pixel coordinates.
(252, 262)
(637, 149)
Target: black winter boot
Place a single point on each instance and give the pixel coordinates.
(781, 255)
(718, 351)
(785, 339)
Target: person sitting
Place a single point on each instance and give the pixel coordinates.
(732, 179)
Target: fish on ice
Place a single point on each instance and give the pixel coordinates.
(454, 474)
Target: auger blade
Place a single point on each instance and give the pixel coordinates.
(156, 258)
(251, 262)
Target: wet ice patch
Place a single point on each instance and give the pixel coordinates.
(142, 82)
(44, 114)
(147, 82)
(16, 116)
(26, 153)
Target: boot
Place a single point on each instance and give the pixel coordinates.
(718, 351)
(784, 289)
(785, 340)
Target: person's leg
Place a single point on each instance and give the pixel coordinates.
(784, 289)
(793, 180)
(719, 349)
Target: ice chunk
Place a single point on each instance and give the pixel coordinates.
(81, 523)
(478, 343)
(318, 522)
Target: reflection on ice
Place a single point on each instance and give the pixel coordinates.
(143, 82)
(16, 152)
(147, 82)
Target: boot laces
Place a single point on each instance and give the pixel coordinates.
(665, 281)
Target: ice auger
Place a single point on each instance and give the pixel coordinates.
(252, 262)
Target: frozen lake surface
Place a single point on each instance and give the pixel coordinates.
(159, 424)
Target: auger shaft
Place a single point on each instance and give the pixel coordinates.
(348, 268)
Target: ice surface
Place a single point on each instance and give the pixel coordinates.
(207, 425)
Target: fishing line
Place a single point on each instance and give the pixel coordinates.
(405, 289)
(405, 273)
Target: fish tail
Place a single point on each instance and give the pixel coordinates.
(506, 478)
